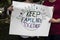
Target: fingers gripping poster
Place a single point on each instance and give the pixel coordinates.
(30, 19)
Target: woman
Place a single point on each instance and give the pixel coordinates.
(55, 21)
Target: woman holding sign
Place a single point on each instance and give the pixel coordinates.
(55, 26)
(22, 37)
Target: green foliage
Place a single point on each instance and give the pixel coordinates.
(5, 3)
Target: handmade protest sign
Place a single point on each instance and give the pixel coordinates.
(30, 19)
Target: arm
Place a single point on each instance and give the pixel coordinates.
(55, 20)
(58, 20)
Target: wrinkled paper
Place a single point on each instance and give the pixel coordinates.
(30, 19)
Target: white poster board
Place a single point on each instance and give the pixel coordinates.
(30, 19)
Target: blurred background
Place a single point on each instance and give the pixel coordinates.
(5, 20)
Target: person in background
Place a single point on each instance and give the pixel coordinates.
(55, 21)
